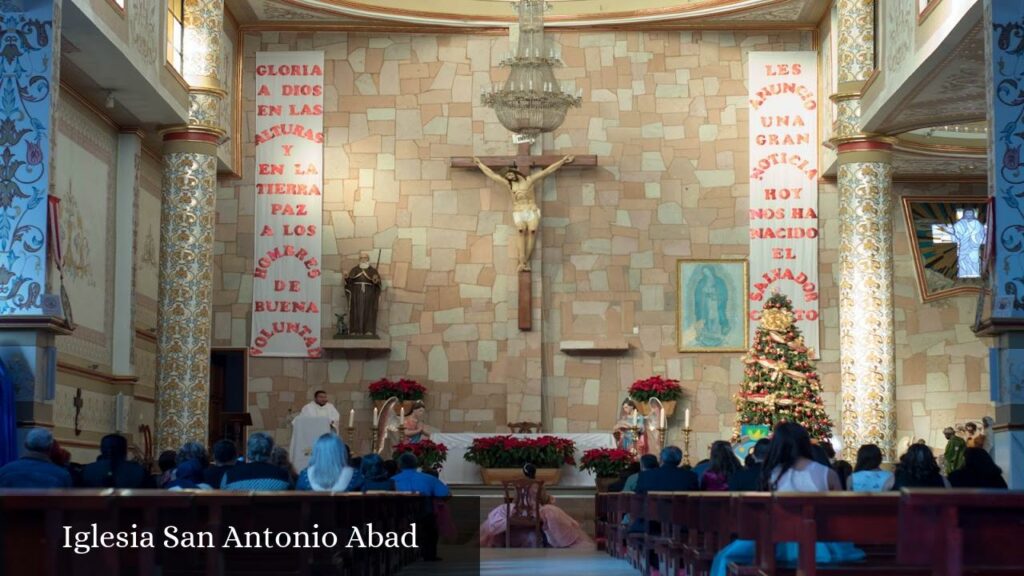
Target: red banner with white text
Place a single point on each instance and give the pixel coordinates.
(289, 167)
(783, 88)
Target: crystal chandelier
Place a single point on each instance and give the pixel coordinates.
(531, 101)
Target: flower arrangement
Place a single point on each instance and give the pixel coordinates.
(511, 452)
(606, 462)
(403, 389)
(659, 387)
(431, 455)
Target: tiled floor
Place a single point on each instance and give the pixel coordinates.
(531, 562)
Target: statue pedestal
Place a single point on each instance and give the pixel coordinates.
(369, 345)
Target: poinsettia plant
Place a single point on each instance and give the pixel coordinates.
(403, 389)
(431, 455)
(606, 462)
(664, 389)
(513, 452)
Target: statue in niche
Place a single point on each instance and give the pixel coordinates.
(363, 287)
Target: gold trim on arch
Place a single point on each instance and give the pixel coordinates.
(681, 11)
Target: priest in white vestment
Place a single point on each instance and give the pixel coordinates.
(321, 407)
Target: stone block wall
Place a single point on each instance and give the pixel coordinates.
(666, 114)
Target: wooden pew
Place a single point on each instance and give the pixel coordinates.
(959, 532)
(863, 519)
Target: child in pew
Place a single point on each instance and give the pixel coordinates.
(791, 468)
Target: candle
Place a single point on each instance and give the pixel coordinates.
(686, 419)
(634, 418)
(351, 417)
(662, 418)
(401, 414)
(375, 415)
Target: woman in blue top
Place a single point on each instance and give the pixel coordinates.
(375, 475)
(328, 469)
(868, 475)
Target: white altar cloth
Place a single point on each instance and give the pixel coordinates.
(458, 471)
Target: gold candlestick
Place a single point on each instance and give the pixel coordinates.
(686, 446)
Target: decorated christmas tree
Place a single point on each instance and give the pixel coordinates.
(780, 383)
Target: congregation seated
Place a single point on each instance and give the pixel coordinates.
(668, 477)
(35, 469)
(166, 462)
(918, 469)
(723, 464)
(791, 467)
(748, 478)
(328, 469)
(188, 476)
(375, 475)
(410, 479)
(112, 469)
(978, 471)
(279, 457)
(558, 528)
(257, 473)
(868, 475)
(225, 455)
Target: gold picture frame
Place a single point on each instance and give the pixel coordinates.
(712, 311)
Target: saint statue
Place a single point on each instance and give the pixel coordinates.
(363, 287)
(710, 303)
(969, 235)
(525, 212)
(629, 430)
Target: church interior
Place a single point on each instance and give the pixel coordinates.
(445, 227)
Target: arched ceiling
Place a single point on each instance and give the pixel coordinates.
(484, 13)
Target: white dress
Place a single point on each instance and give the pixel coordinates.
(813, 478)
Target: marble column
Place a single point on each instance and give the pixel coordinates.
(184, 320)
(866, 329)
(1001, 310)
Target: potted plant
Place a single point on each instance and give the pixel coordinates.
(501, 458)
(407, 391)
(606, 464)
(431, 455)
(666, 390)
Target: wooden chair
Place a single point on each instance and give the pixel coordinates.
(524, 427)
(522, 507)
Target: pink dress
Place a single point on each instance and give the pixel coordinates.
(560, 530)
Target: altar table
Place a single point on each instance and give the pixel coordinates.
(458, 471)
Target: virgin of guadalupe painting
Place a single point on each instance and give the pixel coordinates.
(949, 237)
(712, 305)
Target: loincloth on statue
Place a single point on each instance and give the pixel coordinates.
(526, 216)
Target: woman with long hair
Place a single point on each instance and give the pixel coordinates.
(868, 475)
(790, 467)
(328, 469)
(918, 469)
(978, 471)
(560, 530)
(723, 464)
(112, 468)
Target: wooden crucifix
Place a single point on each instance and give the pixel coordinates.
(78, 410)
(521, 182)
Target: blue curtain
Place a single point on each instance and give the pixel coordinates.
(8, 426)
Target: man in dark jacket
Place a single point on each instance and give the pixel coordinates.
(748, 479)
(669, 477)
(34, 469)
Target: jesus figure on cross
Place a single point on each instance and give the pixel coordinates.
(525, 211)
